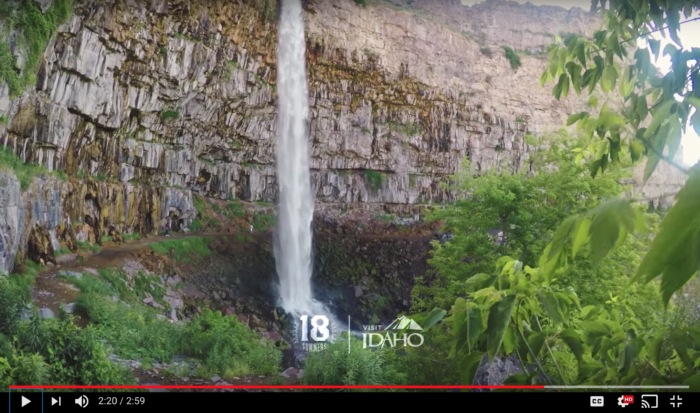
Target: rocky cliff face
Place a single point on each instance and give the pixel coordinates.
(163, 97)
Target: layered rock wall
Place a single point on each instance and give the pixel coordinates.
(52, 213)
(163, 97)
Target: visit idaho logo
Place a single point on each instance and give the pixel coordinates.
(390, 338)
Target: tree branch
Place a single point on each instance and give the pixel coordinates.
(661, 156)
(657, 30)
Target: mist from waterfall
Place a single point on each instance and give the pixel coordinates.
(296, 203)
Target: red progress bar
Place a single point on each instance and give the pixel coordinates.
(276, 387)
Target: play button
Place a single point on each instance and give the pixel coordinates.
(25, 401)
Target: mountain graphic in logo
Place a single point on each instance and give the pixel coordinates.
(402, 323)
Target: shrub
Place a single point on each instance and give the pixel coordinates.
(486, 51)
(133, 332)
(362, 3)
(512, 57)
(374, 179)
(30, 370)
(11, 306)
(357, 367)
(227, 347)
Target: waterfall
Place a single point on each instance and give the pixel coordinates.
(296, 202)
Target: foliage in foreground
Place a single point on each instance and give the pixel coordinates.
(223, 344)
(50, 351)
(650, 125)
(336, 366)
(523, 311)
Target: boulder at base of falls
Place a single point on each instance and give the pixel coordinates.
(46, 313)
(290, 373)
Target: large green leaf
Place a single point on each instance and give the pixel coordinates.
(575, 118)
(609, 78)
(613, 220)
(658, 117)
(580, 51)
(509, 340)
(655, 46)
(468, 324)
(573, 340)
(627, 83)
(499, 316)
(632, 349)
(680, 344)
(536, 341)
(652, 162)
(551, 305)
(677, 233)
(468, 368)
(433, 317)
(575, 73)
(581, 234)
(694, 383)
(589, 368)
(674, 136)
(594, 328)
(655, 351)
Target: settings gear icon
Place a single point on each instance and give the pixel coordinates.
(620, 401)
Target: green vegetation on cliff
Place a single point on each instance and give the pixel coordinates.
(25, 172)
(35, 29)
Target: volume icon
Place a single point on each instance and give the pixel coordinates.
(82, 401)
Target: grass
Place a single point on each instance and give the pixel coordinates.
(86, 246)
(130, 237)
(62, 251)
(512, 57)
(411, 180)
(374, 179)
(169, 114)
(410, 129)
(184, 250)
(263, 222)
(385, 217)
(234, 209)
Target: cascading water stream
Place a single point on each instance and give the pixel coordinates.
(296, 203)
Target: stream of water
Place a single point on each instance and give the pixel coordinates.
(293, 244)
